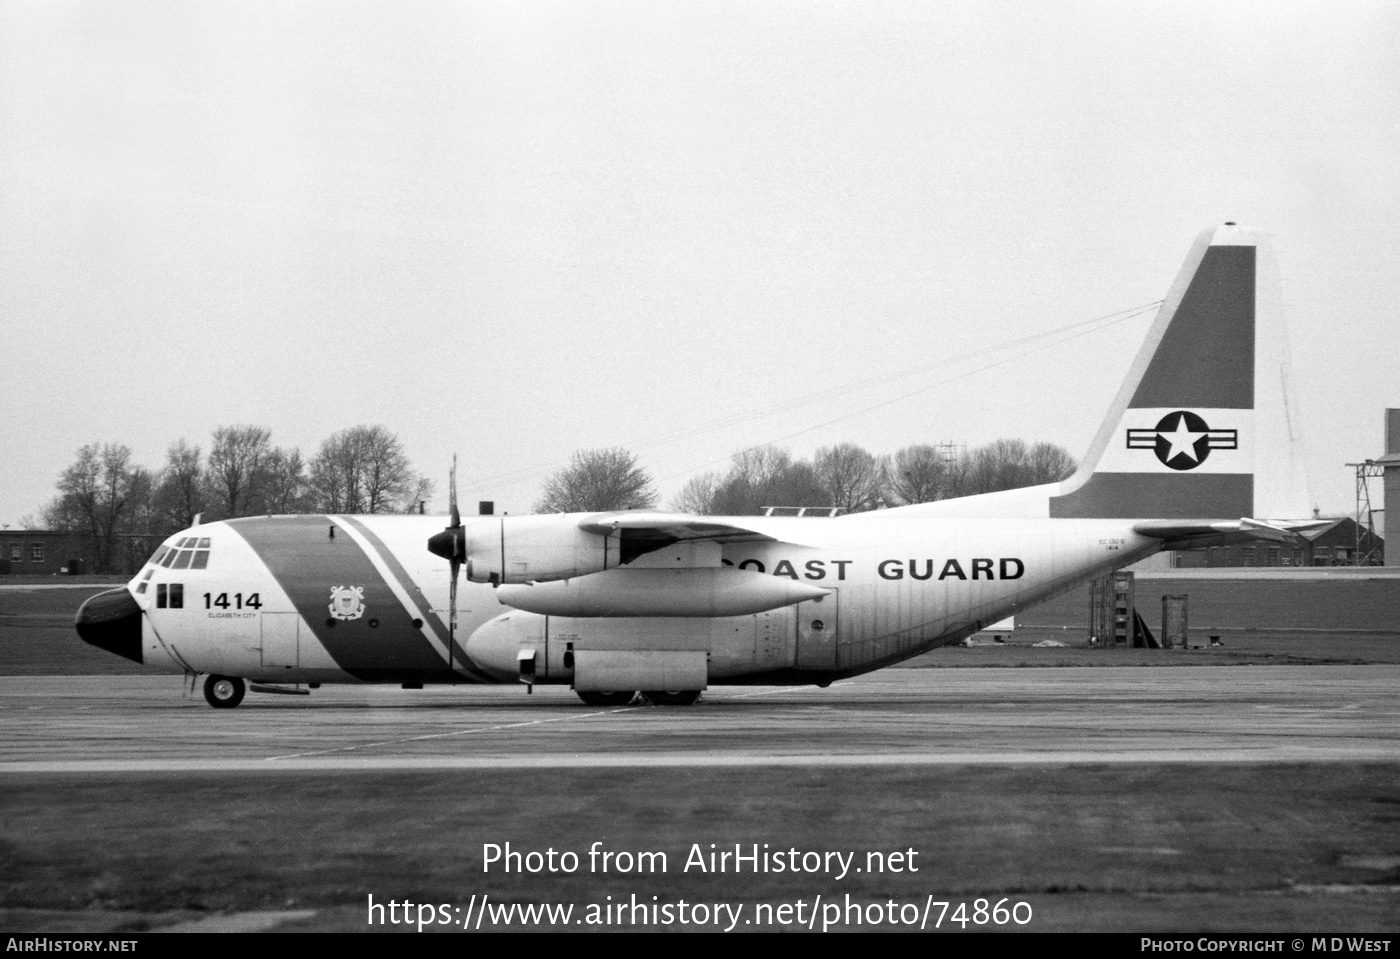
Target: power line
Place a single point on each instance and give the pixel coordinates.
(942, 382)
(1054, 337)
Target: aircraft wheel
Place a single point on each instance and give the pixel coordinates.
(606, 699)
(224, 692)
(660, 698)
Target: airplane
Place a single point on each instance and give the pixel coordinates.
(1200, 447)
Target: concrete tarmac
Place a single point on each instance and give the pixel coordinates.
(1240, 714)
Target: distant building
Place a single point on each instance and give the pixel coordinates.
(1340, 543)
(44, 552)
(1335, 544)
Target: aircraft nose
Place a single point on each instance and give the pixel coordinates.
(111, 620)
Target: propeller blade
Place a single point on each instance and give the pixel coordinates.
(450, 544)
(457, 551)
(452, 604)
(452, 495)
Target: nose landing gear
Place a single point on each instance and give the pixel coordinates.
(224, 692)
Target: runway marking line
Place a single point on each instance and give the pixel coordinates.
(487, 729)
(456, 732)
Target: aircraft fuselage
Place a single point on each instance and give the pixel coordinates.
(325, 599)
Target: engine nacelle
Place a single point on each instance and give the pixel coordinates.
(523, 549)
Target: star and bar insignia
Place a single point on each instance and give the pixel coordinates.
(1182, 440)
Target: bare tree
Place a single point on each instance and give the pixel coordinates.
(598, 480)
(854, 479)
(1051, 463)
(181, 489)
(99, 495)
(698, 494)
(919, 474)
(235, 461)
(798, 485)
(361, 470)
(388, 474)
(335, 476)
(767, 476)
(282, 482)
(958, 481)
(419, 495)
(759, 466)
(1000, 465)
(1011, 464)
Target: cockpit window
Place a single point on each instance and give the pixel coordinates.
(188, 552)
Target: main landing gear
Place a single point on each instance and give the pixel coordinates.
(656, 697)
(224, 692)
(606, 699)
(662, 698)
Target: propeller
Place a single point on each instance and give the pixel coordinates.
(451, 545)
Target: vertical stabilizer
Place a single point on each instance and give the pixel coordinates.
(1204, 425)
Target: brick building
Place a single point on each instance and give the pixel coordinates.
(1339, 543)
(43, 552)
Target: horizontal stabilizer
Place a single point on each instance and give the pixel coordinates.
(1188, 534)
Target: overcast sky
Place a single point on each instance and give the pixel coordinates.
(513, 230)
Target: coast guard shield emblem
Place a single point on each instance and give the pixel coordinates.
(347, 602)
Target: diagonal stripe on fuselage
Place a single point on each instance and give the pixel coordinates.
(382, 645)
(410, 595)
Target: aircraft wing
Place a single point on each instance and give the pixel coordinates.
(681, 527)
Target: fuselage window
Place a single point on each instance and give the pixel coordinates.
(177, 595)
(161, 595)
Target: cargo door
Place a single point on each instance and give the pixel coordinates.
(816, 632)
(281, 636)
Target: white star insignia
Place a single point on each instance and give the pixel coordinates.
(1183, 440)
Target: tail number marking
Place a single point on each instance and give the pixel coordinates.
(253, 601)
